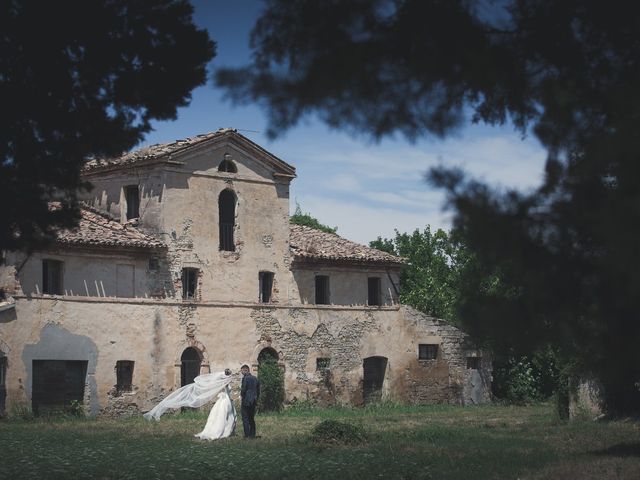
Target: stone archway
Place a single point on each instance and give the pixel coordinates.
(190, 363)
(268, 353)
(373, 378)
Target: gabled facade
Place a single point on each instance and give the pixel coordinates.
(184, 263)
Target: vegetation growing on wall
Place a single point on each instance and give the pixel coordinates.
(306, 220)
(271, 379)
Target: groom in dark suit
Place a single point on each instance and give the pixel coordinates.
(249, 393)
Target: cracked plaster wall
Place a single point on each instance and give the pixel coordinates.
(155, 335)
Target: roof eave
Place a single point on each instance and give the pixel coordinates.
(311, 261)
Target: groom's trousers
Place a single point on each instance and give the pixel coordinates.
(248, 413)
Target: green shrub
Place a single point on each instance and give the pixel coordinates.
(306, 405)
(526, 379)
(76, 409)
(515, 381)
(21, 411)
(271, 386)
(333, 431)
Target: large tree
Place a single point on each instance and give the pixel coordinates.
(567, 72)
(430, 280)
(81, 79)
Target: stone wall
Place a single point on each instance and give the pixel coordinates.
(154, 333)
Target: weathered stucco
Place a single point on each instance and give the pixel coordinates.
(99, 321)
(154, 335)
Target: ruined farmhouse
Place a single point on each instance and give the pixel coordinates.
(185, 262)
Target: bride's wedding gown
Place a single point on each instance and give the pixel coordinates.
(222, 418)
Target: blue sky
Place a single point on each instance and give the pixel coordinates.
(364, 188)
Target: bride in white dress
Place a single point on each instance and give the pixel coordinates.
(222, 417)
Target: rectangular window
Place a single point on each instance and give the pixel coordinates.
(266, 285)
(322, 364)
(322, 290)
(132, 199)
(427, 352)
(52, 277)
(473, 363)
(189, 283)
(153, 264)
(374, 291)
(124, 376)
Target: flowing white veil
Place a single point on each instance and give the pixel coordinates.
(203, 389)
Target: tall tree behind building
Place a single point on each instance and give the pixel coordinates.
(82, 79)
(430, 280)
(566, 71)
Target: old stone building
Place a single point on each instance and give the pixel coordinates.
(184, 263)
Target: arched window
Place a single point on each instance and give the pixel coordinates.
(227, 219)
(228, 166)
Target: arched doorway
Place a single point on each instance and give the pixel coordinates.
(374, 370)
(271, 376)
(190, 365)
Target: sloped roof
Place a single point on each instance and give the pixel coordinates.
(98, 230)
(309, 244)
(166, 151)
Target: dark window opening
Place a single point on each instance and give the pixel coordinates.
(473, 363)
(132, 199)
(57, 384)
(322, 290)
(266, 285)
(228, 166)
(52, 277)
(427, 352)
(373, 380)
(153, 264)
(227, 218)
(190, 365)
(124, 376)
(375, 295)
(322, 364)
(189, 283)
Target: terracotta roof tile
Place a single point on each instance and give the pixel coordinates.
(97, 229)
(310, 244)
(162, 150)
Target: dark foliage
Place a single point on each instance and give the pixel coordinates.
(564, 258)
(271, 379)
(526, 379)
(81, 79)
(335, 432)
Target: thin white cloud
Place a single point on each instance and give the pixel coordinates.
(343, 182)
(363, 223)
(417, 200)
(503, 159)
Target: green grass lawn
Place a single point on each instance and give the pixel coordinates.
(438, 442)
